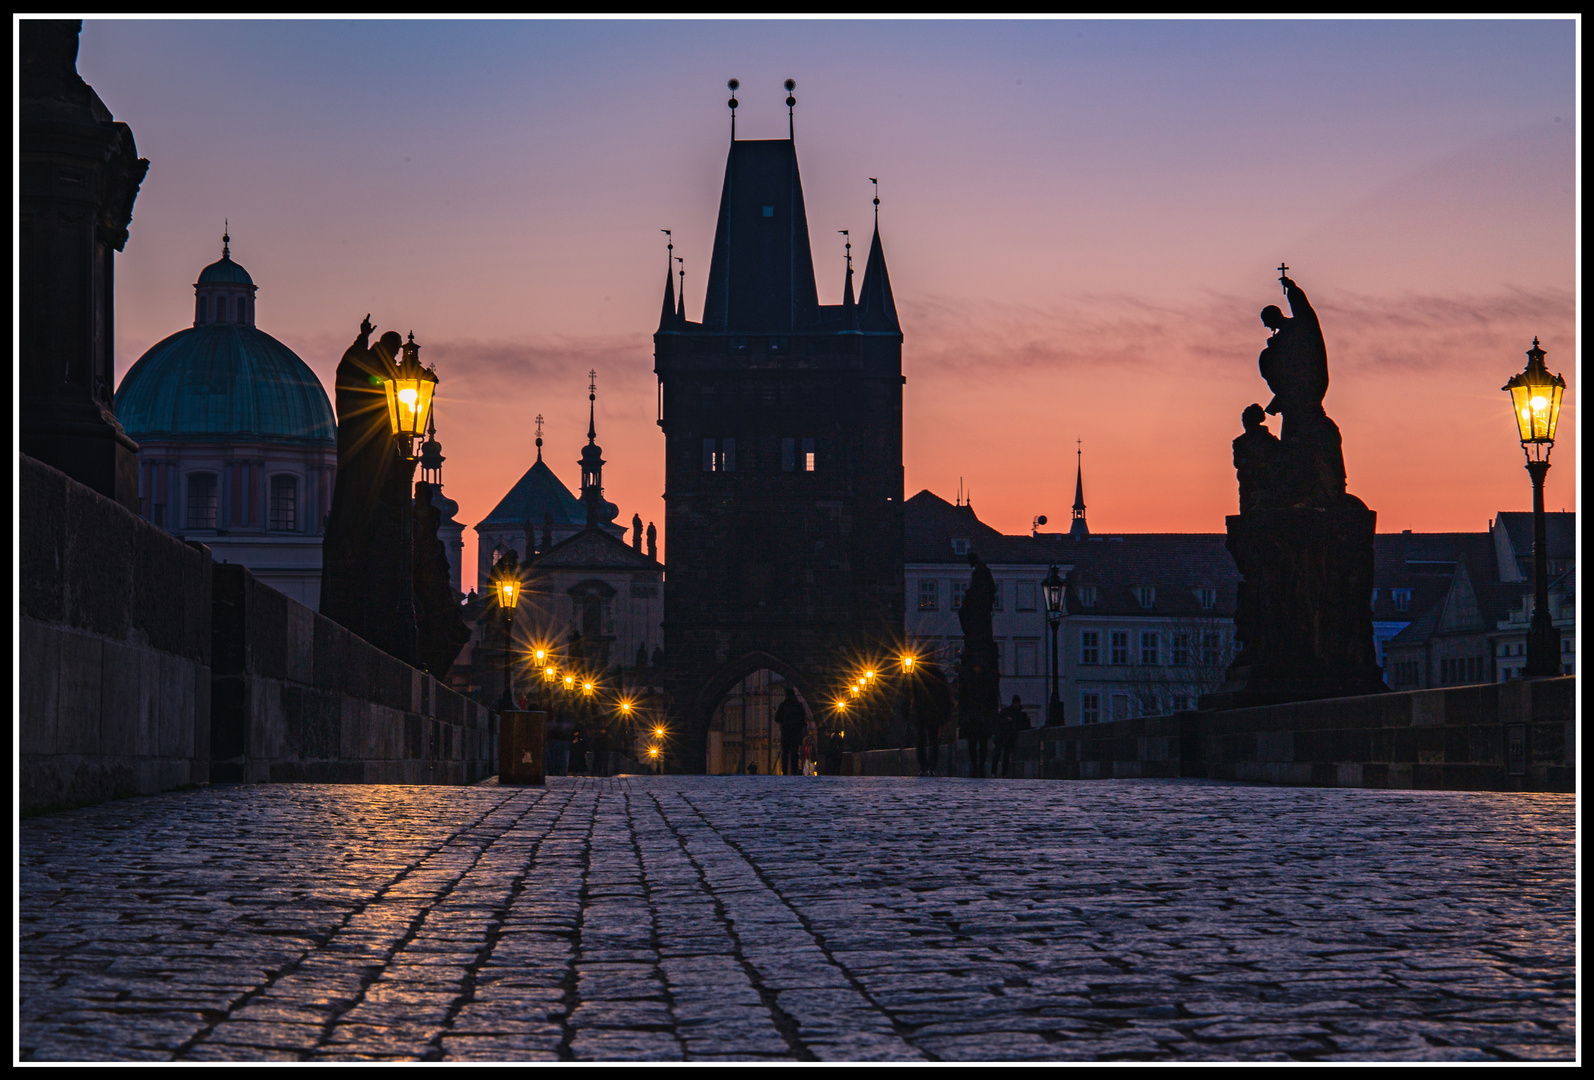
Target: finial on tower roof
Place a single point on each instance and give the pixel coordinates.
(875, 180)
(847, 299)
(733, 84)
(539, 436)
(226, 251)
(592, 398)
(791, 112)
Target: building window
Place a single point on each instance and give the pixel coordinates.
(788, 455)
(201, 500)
(1120, 647)
(221, 309)
(1023, 596)
(1374, 601)
(1181, 702)
(1090, 646)
(929, 595)
(1147, 596)
(1211, 647)
(808, 455)
(1001, 657)
(284, 503)
(996, 596)
(1402, 598)
(1086, 595)
(1090, 708)
(1207, 598)
(1024, 659)
(1148, 647)
(960, 546)
(708, 455)
(1179, 648)
(727, 455)
(1148, 705)
(958, 589)
(1120, 706)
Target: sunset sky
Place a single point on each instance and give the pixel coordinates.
(1082, 220)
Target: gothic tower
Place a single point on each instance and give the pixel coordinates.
(782, 420)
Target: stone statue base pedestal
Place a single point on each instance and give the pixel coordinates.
(1304, 616)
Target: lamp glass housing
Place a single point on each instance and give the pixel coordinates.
(508, 593)
(1053, 588)
(1536, 401)
(409, 394)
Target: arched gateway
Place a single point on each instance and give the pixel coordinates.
(783, 478)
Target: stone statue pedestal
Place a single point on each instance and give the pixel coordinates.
(1304, 616)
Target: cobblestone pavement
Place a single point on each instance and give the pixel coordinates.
(772, 918)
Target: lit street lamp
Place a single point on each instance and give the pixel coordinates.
(1536, 401)
(409, 404)
(508, 591)
(1053, 588)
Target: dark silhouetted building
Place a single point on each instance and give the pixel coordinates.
(783, 476)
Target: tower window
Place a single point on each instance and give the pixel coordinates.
(201, 500)
(769, 211)
(727, 455)
(788, 455)
(808, 455)
(221, 309)
(284, 503)
(710, 458)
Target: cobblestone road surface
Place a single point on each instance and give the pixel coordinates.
(812, 919)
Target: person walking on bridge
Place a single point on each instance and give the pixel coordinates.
(792, 719)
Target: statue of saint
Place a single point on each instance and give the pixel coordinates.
(979, 682)
(1295, 360)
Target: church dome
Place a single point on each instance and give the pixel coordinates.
(224, 272)
(222, 378)
(224, 381)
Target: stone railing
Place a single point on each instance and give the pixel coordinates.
(146, 667)
(1512, 736)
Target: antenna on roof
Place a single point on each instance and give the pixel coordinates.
(791, 111)
(539, 436)
(733, 84)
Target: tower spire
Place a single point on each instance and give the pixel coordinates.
(667, 315)
(1079, 530)
(847, 299)
(791, 110)
(733, 84)
(878, 306)
(681, 313)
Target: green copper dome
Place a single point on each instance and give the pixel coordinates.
(222, 380)
(224, 272)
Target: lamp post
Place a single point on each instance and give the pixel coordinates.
(1053, 588)
(1536, 400)
(409, 390)
(508, 590)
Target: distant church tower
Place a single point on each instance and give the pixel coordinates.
(1079, 530)
(783, 478)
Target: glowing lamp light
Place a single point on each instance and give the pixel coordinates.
(409, 393)
(541, 655)
(586, 688)
(508, 590)
(549, 673)
(1536, 400)
(625, 707)
(908, 660)
(658, 731)
(653, 751)
(570, 682)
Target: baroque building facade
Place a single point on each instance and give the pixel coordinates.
(237, 438)
(782, 420)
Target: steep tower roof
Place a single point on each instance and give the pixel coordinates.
(877, 309)
(761, 279)
(1079, 530)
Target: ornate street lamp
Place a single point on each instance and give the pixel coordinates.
(507, 588)
(409, 389)
(1054, 590)
(1536, 400)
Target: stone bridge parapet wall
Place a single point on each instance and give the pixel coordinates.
(1512, 736)
(296, 697)
(114, 642)
(145, 666)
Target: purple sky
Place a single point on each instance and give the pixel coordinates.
(1081, 219)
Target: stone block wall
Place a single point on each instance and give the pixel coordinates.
(115, 646)
(296, 697)
(1513, 736)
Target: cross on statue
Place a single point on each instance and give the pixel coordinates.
(1283, 273)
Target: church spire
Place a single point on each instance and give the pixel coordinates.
(680, 313)
(1079, 530)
